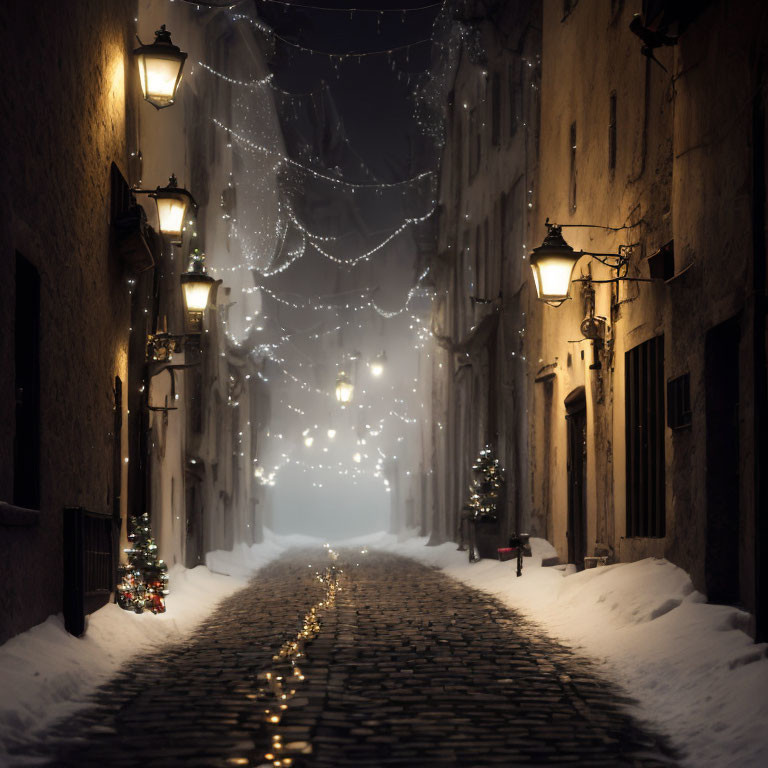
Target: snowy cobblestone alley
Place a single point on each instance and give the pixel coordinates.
(409, 668)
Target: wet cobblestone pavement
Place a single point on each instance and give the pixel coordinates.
(408, 668)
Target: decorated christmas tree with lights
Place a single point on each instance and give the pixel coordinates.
(144, 579)
(485, 490)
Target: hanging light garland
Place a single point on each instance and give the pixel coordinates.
(333, 55)
(252, 145)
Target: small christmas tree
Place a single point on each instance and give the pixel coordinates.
(486, 486)
(144, 579)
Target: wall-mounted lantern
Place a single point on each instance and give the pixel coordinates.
(196, 291)
(553, 262)
(196, 287)
(172, 202)
(344, 388)
(160, 66)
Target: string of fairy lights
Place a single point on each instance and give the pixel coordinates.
(290, 253)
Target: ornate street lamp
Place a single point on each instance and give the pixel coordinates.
(160, 66)
(172, 202)
(344, 388)
(196, 287)
(553, 262)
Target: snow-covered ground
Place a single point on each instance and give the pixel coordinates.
(46, 673)
(695, 675)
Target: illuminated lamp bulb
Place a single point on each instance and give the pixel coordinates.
(308, 440)
(357, 458)
(160, 66)
(331, 434)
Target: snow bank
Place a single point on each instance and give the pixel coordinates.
(695, 674)
(46, 673)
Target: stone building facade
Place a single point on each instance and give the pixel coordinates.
(205, 495)
(479, 383)
(69, 111)
(87, 418)
(644, 437)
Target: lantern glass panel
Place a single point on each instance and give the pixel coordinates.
(170, 212)
(196, 294)
(552, 276)
(160, 77)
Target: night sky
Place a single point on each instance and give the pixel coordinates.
(375, 103)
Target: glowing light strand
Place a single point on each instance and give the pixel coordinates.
(306, 169)
(331, 54)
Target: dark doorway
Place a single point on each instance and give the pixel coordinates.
(576, 417)
(26, 445)
(722, 412)
(194, 509)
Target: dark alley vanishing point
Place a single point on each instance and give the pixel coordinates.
(407, 668)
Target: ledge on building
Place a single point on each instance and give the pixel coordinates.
(16, 517)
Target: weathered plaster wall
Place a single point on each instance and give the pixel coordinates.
(487, 177)
(64, 118)
(683, 172)
(205, 495)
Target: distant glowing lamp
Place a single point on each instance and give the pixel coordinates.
(344, 388)
(331, 434)
(172, 202)
(377, 366)
(160, 66)
(308, 440)
(196, 287)
(552, 264)
(357, 458)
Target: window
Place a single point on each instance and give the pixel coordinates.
(572, 184)
(644, 402)
(486, 271)
(612, 134)
(474, 143)
(679, 402)
(661, 264)
(458, 173)
(515, 97)
(120, 194)
(495, 109)
(26, 444)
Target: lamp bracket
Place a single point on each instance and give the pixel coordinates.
(160, 346)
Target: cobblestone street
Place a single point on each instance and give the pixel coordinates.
(408, 668)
